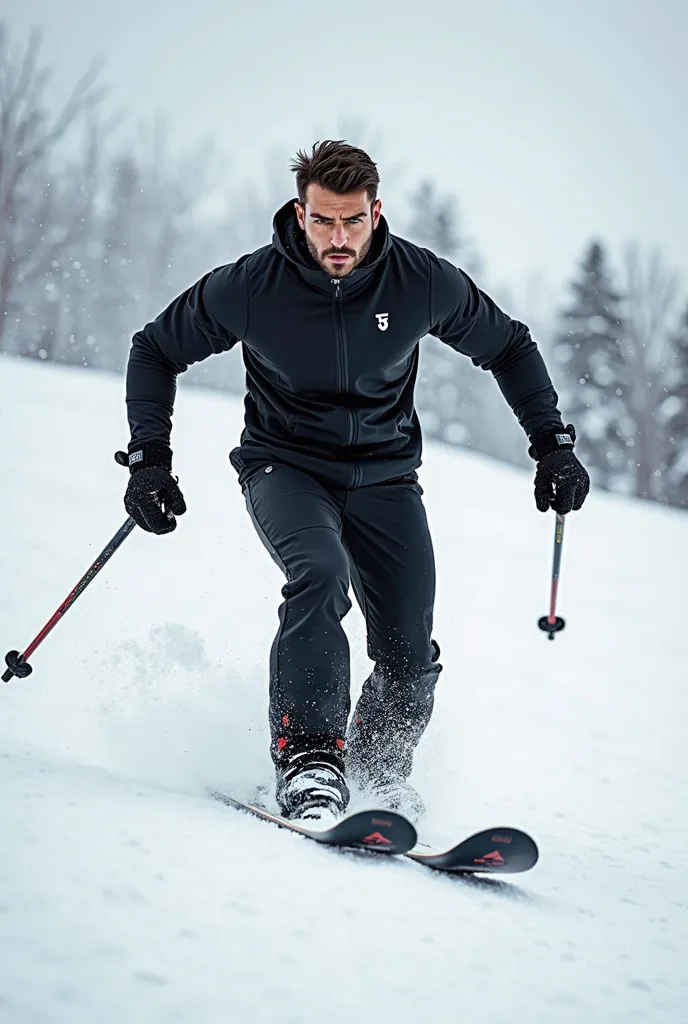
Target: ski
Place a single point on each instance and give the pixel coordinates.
(495, 851)
(376, 831)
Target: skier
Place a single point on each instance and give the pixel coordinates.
(330, 316)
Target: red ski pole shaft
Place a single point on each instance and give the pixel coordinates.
(553, 623)
(17, 664)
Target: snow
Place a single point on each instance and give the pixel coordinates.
(127, 895)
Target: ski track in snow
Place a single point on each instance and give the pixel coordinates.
(126, 895)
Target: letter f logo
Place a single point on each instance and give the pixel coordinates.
(382, 321)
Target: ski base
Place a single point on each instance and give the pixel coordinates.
(495, 851)
(376, 831)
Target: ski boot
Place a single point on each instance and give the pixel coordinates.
(311, 788)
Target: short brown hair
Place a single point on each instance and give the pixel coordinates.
(336, 166)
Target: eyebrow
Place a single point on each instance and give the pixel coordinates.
(353, 216)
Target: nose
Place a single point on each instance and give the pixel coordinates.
(339, 236)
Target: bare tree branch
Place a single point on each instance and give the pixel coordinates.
(651, 303)
(33, 194)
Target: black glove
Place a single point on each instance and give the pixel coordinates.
(561, 482)
(152, 498)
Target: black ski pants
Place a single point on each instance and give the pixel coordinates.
(374, 537)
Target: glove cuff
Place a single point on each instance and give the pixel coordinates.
(146, 453)
(552, 441)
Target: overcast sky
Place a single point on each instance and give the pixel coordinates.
(552, 121)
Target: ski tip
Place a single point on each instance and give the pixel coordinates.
(498, 850)
(377, 831)
(511, 850)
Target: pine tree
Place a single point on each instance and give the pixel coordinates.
(118, 243)
(592, 378)
(449, 393)
(650, 306)
(146, 241)
(675, 475)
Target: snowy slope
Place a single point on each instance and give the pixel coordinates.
(125, 895)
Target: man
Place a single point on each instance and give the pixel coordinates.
(330, 316)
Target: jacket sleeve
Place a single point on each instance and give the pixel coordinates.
(207, 318)
(466, 319)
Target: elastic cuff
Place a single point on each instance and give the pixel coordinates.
(552, 441)
(149, 453)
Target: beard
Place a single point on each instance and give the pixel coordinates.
(357, 257)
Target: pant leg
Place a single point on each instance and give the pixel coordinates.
(387, 536)
(299, 521)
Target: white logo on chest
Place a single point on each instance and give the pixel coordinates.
(382, 321)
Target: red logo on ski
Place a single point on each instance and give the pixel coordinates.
(490, 858)
(377, 839)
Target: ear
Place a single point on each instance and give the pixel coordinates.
(300, 215)
(376, 211)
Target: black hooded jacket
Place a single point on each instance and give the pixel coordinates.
(331, 363)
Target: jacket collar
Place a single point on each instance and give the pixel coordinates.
(289, 241)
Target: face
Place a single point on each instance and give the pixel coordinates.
(339, 229)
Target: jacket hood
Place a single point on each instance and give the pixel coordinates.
(289, 241)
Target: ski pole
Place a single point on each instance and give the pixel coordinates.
(17, 664)
(553, 623)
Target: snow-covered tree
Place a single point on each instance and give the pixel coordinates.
(143, 245)
(651, 310)
(45, 200)
(591, 371)
(448, 392)
(620, 373)
(674, 484)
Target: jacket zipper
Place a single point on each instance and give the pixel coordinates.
(342, 358)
